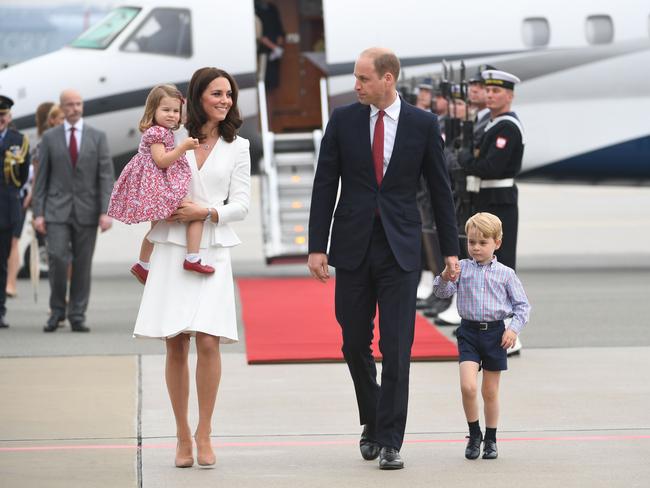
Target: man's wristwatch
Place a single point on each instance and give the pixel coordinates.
(209, 216)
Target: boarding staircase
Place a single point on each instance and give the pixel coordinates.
(287, 175)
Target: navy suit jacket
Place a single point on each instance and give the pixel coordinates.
(346, 155)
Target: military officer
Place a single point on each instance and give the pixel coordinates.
(476, 95)
(424, 96)
(14, 154)
(498, 161)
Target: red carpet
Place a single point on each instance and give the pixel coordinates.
(292, 320)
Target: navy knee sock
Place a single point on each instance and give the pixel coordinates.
(474, 429)
(490, 434)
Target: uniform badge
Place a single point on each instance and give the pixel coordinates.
(501, 142)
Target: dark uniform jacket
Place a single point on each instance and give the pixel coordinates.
(499, 157)
(14, 154)
(479, 127)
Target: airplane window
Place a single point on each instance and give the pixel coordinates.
(102, 34)
(165, 31)
(599, 29)
(536, 32)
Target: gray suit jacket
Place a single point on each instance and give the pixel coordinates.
(60, 188)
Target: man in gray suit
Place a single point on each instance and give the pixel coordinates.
(73, 187)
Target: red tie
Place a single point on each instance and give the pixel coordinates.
(378, 147)
(73, 147)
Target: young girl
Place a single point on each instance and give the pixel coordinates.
(156, 180)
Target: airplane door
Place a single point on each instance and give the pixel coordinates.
(294, 104)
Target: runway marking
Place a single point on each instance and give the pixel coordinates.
(170, 445)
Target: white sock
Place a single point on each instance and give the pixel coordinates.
(192, 258)
(145, 265)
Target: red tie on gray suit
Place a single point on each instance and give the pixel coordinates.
(378, 147)
(73, 147)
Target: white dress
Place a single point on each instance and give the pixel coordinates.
(178, 301)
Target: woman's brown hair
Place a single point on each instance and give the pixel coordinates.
(42, 112)
(196, 116)
(156, 94)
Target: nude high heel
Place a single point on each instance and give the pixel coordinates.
(183, 460)
(204, 453)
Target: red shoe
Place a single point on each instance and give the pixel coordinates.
(140, 273)
(198, 267)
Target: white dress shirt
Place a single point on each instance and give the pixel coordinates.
(391, 117)
(78, 131)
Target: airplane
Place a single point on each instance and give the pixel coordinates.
(584, 99)
(30, 28)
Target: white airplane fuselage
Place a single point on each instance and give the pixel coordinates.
(583, 101)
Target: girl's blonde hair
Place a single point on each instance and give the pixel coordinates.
(487, 224)
(54, 113)
(156, 94)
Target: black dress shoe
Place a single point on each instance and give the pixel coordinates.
(368, 447)
(422, 303)
(473, 448)
(490, 449)
(79, 327)
(52, 323)
(389, 458)
(3, 324)
(436, 306)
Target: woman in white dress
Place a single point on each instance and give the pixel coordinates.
(176, 304)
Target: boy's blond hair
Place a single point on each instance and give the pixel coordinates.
(487, 224)
(156, 94)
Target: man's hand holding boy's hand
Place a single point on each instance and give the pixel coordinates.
(451, 271)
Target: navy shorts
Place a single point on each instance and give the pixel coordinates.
(482, 344)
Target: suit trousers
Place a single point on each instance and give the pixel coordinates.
(5, 248)
(70, 243)
(378, 281)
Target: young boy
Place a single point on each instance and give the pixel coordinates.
(488, 293)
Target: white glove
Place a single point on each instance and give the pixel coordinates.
(276, 53)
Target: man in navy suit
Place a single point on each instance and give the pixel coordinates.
(378, 149)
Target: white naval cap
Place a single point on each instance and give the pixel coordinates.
(426, 84)
(500, 78)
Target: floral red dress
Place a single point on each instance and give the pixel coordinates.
(144, 192)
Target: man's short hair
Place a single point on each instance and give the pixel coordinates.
(384, 61)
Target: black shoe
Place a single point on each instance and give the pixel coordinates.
(473, 448)
(3, 324)
(79, 327)
(424, 303)
(490, 449)
(53, 323)
(368, 447)
(440, 321)
(389, 458)
(435, 306)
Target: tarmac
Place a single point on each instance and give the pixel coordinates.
(91, 410)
